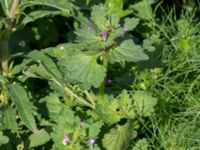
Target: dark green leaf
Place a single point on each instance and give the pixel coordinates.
(31, 17)
(9, 120)
(46, 62)
(21, 100)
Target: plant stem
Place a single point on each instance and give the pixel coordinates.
(4, 43)
(102, 87)
(71, 93)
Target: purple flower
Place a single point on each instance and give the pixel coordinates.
(91, 142)
(125, 29)
(65, 139)
(109, 81)
(104, 36)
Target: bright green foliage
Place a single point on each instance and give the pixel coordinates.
(70, 126)
(143, 9)
(119, 138)
(92, 76)
(39, 138)
(82, 67)
(144, 103)
(3, 139)
(127, 51)
(21, 100)
(113, 110)
(141, 145)
(131, 23)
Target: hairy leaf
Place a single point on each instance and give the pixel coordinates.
(131, 23)
(21, 100)
(142, 144)
(83, 68)
(127, 51)
(3, 139)
(9, 120)
(39, 138)
(144, 103)
(47, 63)
(143, 9)
(119, 138)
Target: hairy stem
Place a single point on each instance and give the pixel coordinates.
(102, 87)
(4, 52)
(71, 93)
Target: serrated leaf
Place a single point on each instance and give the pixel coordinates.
(87, 37)
(46, 62)
(39, 138)
(3, 139)
(118, 139)
(126, 105)
(109, 111)
(82, 68)
(21, 100)
(144, 103)
(9, 120)
(53, 104)
(98, 16)
(131, 23)
(127, 51)
(94, 129)
(116, 7)
(147, 44)
(142, 144)
(143, 9)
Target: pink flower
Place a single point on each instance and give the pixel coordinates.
(104, 36)
(65, 139)
(91, 142)
(125, 29)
